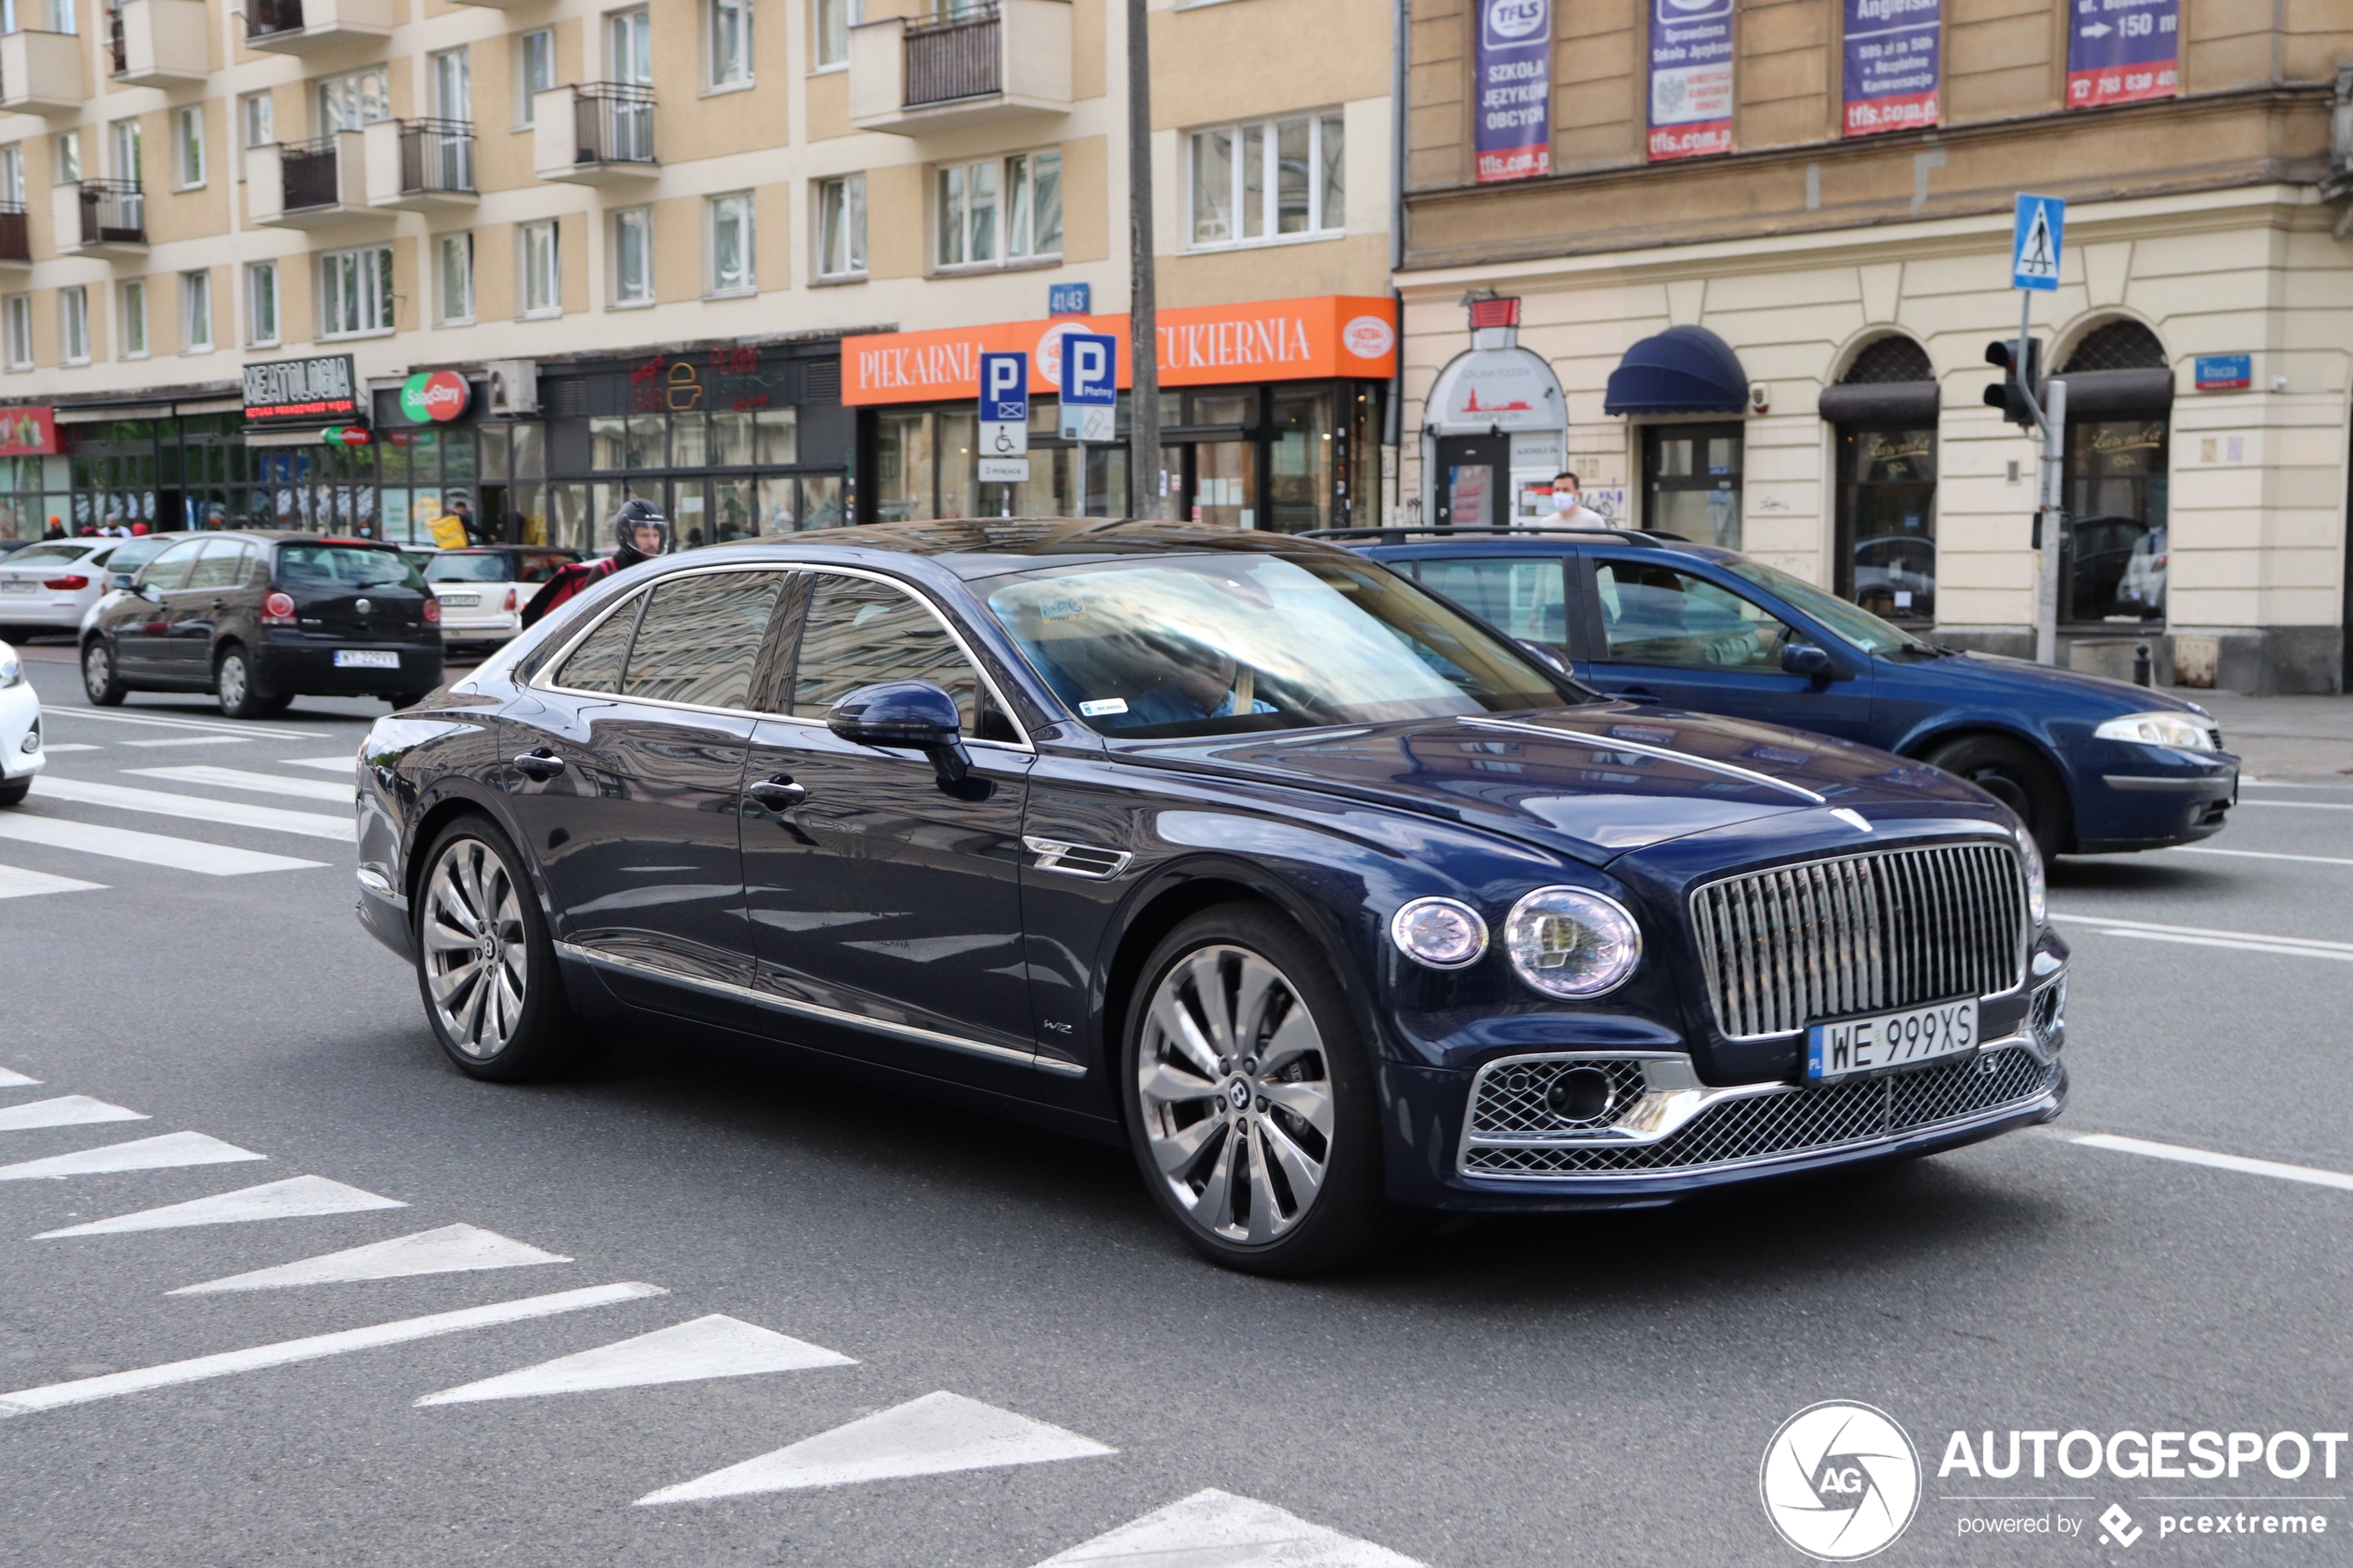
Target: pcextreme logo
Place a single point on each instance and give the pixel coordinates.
(1840, 1481)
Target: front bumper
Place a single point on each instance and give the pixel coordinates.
(2149, 797)
(20, 722)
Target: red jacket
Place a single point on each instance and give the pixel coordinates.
(568, 582)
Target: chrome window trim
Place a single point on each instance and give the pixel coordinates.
(820, 1012)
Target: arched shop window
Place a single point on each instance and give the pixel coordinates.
(2120, 402)
(1883, 414)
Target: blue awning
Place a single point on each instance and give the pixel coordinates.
(1682, 371)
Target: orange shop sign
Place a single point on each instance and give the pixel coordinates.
(1200, 345)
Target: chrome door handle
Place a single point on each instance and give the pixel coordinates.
(777, 793)
(541, 764)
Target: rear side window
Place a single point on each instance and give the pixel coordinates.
(1525, 595)
(595, 665)
(859, 632)
(457, 567)
(167, 569)
(40, 553)
(223, 565)
(700, 638)
(345, 566)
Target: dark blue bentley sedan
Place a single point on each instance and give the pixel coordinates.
(1243, 851)
(2091, 765)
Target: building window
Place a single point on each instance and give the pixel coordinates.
(123, 158)
(12, 173)
(990, 213)
(629, 47)
(73, 324)
(19, 322)
(1268, 180)
(832, 20)
(135, 319)
(1884, 412)
(56, 16)
(357, 98)
(542, 271)
(633, 256)
(453, 84)
(1691, 482)
(257, 120)
(68, 146)
(187, 147)
(196, 312)
(262, 304)
(355, 291)
(1034, 214)
(841, 227)
(967, 215)
(730, 24)
(730, 244)
(457, 266)
(537, 61)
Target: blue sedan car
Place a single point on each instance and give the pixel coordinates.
(2091, 765)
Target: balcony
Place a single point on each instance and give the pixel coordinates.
(985, 65)
(157, 42)
(317, 184)
(596, 134)
(421, 165)
(16, 236)
(307, 27)
(100, 217)
(40, 73)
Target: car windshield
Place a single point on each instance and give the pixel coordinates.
(138, 553)
(347, 566)
(1205, 644)
(1858, 625)
(489, 566)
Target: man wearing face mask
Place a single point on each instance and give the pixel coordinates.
(1569, 510)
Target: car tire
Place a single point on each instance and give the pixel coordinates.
(99, 681)
(233, 683)
(2013, 774)
(511, 1023)
(1308, 1198)
(13, 791)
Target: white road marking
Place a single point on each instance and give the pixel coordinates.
(717, 1345)
(2246, 783)
(168, 1152)
(201, 809)
(2201, 937)
(2301, 804)
(2261, 855)
(2311, 1173)
(285, 1352)
(326, 764)
(449, 1250)
(291, 1198)
(15, 882)
(148, 849)
(14, 1080)
(166, 721)
(71, 745)
(239, 778)
(932, 1436)
(1214, 1529)
(190, 740)
(66, 1110)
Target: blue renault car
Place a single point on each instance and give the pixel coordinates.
(2091, 765)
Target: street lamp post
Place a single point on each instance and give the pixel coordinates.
(1143, 333)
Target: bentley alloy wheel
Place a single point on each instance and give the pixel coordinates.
(477, 956)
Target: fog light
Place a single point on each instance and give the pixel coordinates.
(1581, 1094)
(2046, 1017)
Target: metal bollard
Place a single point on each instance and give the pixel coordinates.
(2141, 672)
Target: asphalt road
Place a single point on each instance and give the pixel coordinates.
(1567, 1390)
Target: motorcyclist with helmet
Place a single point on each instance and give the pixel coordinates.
(640, 533)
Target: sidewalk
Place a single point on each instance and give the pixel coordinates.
(2284, 739)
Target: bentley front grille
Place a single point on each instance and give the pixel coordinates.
(1859, 934)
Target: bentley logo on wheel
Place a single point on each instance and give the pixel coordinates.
(1840, 1481)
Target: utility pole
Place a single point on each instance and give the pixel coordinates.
(1144, 327)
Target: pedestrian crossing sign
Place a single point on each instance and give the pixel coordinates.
(2034, 242)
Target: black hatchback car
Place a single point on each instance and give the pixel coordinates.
(261, 619)
(1326, 899)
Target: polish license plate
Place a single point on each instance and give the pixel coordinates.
(19, 587)
(463, 601)
(366, 658)
(1903, 1038)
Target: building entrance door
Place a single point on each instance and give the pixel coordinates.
(1474, 480)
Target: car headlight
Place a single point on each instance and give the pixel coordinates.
(1441, 932)
(2177, 729)
(2038, 886)
(11, 667)
(1566, 942)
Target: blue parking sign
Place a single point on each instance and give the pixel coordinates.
(1090, 369)
(1004, 388)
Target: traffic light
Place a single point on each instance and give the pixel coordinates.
(2010, 396)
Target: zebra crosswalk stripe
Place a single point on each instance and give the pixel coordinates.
(148, 849)
(240, 778)
(15, 882)
(196, 808)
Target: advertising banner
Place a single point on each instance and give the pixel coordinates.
(2123, 52)
(1515, 135)
(26, 433)
(293, 390)
(1691, 78)
(1892, 49)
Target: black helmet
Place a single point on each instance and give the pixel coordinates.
(627, 518)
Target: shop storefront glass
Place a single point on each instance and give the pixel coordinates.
(1886, 559)
(2118, 515)
(1691, 479)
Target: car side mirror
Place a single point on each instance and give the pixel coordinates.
(1546, 655)
(149, 592)
(1811, 661)
(916, 714)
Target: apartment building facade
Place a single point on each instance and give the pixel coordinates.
(339, 263)
(1738, 261)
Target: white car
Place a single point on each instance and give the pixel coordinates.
(484, 587)
(20, 753)
(49, 586)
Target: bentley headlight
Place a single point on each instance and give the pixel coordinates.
(2181, 731)
(2038, 884)
(1568, 942)
(1440, 932)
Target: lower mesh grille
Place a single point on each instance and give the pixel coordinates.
(1796, 1122)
